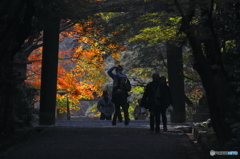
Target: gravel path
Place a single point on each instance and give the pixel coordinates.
(101, 140)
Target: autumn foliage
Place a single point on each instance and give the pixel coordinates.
(80, 69)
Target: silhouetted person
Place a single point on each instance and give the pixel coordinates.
(105, 106)
(166, 101)
(115, 78)
(119, 98)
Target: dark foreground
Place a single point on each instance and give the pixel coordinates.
(104, 142)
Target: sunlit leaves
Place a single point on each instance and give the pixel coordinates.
(195, 93)
(62, 102)
(116, 56)
(34, 70)
(107, 15)
(93, 111)
(163, 32)
(138, 90)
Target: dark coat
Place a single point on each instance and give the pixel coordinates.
(153, 97)
(167, 96)
(120, 98)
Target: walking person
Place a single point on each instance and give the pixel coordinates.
(119, 98)
(155, 99)
(105, 106)
(166, 100)
(118, 69)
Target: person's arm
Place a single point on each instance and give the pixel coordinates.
(128, 85)
(144, 97)
(112, 105)
(110, 72)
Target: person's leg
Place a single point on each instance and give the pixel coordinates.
(102, 116)
(120, 116)
(126, 115)
(157, 119)
(152, 118)
(108, 117)
(117, 109)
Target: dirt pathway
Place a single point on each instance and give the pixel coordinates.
(104, 143)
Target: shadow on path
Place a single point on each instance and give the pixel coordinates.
(104, 142)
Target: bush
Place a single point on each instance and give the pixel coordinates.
(189, 111)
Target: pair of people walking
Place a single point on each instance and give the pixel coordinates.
(156, 99)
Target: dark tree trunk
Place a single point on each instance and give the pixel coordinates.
(49, 73)
(176, 82)
(15, 18)
(7, 94)
(211, 70)
(217, 90)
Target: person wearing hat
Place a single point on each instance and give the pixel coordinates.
(118, 69)
(119, 98)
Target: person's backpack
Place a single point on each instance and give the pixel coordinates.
(128, 85)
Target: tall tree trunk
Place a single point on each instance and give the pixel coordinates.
(217, 90)
(176, 82)
(49, 73)
(15, 18)
(7, 94)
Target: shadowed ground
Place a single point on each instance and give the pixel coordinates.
(100, 140)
